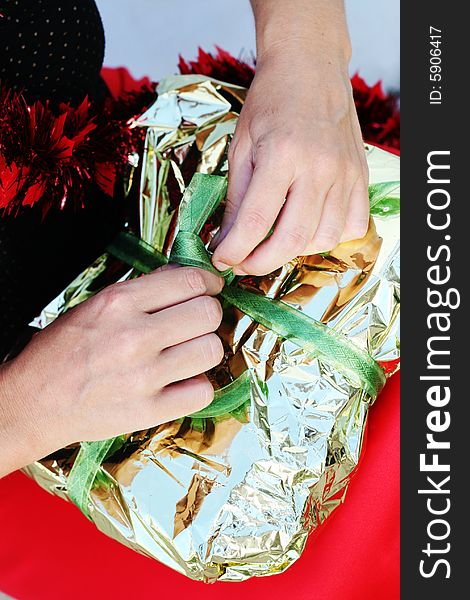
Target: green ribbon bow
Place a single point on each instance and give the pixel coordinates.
(200, 199)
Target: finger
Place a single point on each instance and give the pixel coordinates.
(256, 215)
(239, 177)
(358, 140)
(190, 358)
(332, 221)
(164, 288)
(183, 322)
(294, 229)
(357, 216)
(179, 400)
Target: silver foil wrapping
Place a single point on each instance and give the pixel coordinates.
(237, 497)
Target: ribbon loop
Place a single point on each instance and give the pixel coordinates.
(188, 249)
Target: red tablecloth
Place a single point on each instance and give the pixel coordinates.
(49, 551)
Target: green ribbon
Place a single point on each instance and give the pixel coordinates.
(84, 471)
(199, 201)
(188, 249)
(227, 399)
(136, 253)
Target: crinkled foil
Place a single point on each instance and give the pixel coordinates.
(237, 497)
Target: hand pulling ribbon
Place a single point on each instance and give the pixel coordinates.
(200, 199)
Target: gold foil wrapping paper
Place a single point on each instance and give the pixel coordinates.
(237, 497)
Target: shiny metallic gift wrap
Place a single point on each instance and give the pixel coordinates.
(236, 497)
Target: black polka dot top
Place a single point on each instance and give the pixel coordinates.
(51, 49)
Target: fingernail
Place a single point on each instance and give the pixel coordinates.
(315, 250)
(214, 242)
(220, 266)
(168, 267)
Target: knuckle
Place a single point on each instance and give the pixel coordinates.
(203, 395)
(230, 206)
(255, 222)
(360, 229)
(195, 281)
(363, 202)
(286, 146)
(328, 238)
(296, 239)
(113, 298)
(337, 216)
(232, 151)
(353, 169)
(211, 311)
(325, 244)
(213, 350)
(279, 150)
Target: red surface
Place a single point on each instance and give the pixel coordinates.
(49, 551)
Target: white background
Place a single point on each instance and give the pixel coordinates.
(147, 35)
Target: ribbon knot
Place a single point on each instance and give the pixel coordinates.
(188, 250)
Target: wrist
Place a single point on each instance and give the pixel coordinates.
(305, 27)
(300, 54)
(23, 426)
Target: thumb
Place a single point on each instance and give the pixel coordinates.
(239, 177)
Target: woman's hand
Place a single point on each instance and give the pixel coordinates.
(127, 359)
(297, 162)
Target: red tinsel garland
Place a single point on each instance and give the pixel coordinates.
(378, 113)
(55, 156)
(222, 66)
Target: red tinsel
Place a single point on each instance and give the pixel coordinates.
(222, 66)
(55, 156)
(378, 113)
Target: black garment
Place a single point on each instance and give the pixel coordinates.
(49, 49)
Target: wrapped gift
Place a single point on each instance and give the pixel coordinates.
(233, 491)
